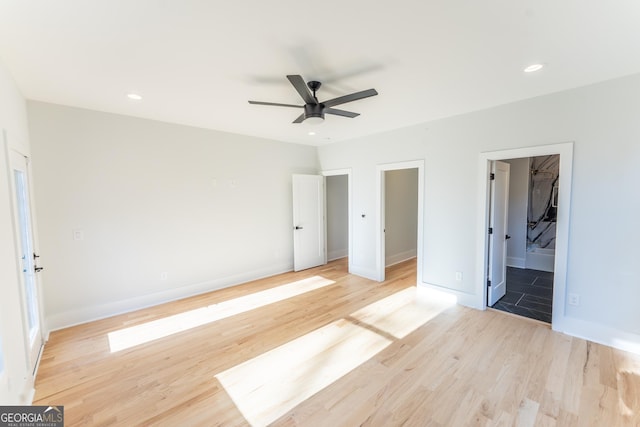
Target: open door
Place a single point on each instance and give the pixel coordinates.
(27, 257)
(308, 222)
(497, 262)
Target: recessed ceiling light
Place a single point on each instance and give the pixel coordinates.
(533, 68)
(134, 96)
(311, 133)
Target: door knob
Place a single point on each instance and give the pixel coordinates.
(298, 227)
(507, 237)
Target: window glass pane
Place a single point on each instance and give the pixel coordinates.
(27, 251)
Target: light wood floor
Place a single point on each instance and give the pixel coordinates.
(342, 351)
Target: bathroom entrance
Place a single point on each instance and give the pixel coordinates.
(531, 236)
(544, 232)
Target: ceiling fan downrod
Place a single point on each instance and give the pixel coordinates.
(314, 86)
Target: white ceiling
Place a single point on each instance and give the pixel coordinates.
(198, 62)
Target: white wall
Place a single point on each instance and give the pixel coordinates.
(601, 119)
(15, 383)
(207, 208)
(518, 199)
(337, 189)
(401, 215)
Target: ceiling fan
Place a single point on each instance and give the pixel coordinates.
(314, 109)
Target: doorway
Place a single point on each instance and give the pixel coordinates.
(316, 237)
(338, 215)
(530, 230)
(405, 196)
(400, 215)
(562, 199)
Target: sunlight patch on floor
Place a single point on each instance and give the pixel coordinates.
(146, 332)
(268, 386)
(400, 314)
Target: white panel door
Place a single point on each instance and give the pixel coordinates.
(26, 257)
(308, 222)
(497, 265)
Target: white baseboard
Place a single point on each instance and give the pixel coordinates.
(591, 331)
(334, 255)
(515, 262)
(398, 258)
(364, 272)
(542, 262)
(101, 311)
(28, 392)
(426, 294)
(598, 333)
(462, 298)
(29, 396)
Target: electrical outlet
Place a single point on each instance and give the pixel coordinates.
(574, 299)
(164, 275)
(459, 276)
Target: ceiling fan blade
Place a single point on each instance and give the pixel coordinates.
(298, 83)
(349, 98)
(275, 104)
(300, 119)
(337, 112)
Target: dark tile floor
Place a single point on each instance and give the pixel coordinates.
(529, 294)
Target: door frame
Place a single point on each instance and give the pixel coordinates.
(380, 207)
(565, 150)
(340, 172)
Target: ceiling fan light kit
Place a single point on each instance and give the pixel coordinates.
(315, 110)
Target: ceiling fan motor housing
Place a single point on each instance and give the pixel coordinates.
(314, 110)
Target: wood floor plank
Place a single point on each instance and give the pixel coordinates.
(291, 350)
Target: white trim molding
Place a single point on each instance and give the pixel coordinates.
(462, 298)
(400, 257)
(102, 311)
(601, 334)
(339, 254)
(515, 262)
(367, 273)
